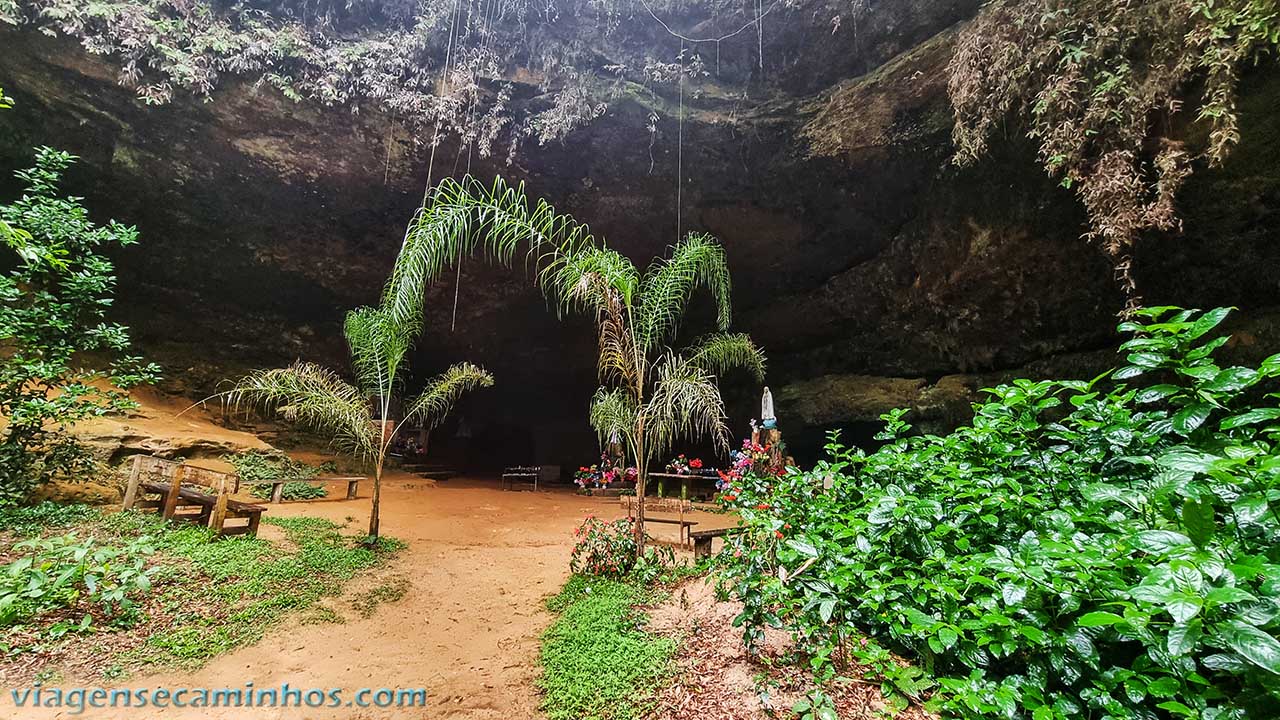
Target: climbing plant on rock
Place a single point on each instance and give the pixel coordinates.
(440, 67)
(1103, 86)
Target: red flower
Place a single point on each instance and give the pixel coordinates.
(695, 463)
(762, 506)
(778, 533)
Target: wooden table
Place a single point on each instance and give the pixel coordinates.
(526, 474)
(683, 478)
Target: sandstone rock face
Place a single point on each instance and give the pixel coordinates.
(163, 426)
(873, 272)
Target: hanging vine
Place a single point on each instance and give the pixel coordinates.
(1101, 85)
(441, 67)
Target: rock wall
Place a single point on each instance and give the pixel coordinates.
(872, 271)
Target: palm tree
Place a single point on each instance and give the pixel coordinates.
(650, 395)
(317, 397)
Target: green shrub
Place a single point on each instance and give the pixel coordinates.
(1102, 549)
(55, 291)
(257, 467)
(604, 548)
(66, 572)
(291, 491)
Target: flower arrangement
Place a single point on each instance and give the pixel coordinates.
(602, 474)
(587, 476)
(753, 462)
(682, 465)
(604, 548)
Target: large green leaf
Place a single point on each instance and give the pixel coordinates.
(1256, 646)
(1250, 417)
(1160, 542)
(1183, 637)
(1191, 417)
(1198, 519)
(1099, 619)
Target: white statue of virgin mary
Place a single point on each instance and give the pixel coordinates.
(768, 420)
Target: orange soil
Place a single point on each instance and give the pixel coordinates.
(480, 562)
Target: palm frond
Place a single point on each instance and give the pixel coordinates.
(613, 412)
(313, 396)
(686, 403)
(697, 260)
(379, 342)
(584, 278)
(443, 390)
(464, 216)
(720, 352)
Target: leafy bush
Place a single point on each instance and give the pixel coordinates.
(66, 572)
(292, 491)
(255, 467)
(1082, 549)
(604, 548)
(53, 305)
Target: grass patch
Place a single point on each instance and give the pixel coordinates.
(207, 597)
(597, 660)
(393, 590)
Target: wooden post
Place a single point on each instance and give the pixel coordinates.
(135, 476)
(218, 515)
(277, 491)
(171, 500)
(351, 489)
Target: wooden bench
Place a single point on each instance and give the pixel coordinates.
(180, 487)
(512, 475)
(666, 505)
(702, 540)
(430, 471)
(277, 486)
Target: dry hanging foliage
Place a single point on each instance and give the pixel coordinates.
(1100, 84)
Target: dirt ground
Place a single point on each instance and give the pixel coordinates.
(479, 562)
(715, 678)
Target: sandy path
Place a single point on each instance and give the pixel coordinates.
(480, 562)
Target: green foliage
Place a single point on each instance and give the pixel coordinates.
(597, 660)
(256, 468)
(53, 308)
(244, 585)
(604, 548)
(65, 572)
(31, 520)
(1082, 549)
(292, 491)
(1102, 86)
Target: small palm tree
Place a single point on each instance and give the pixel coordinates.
(314, 396)
(650, 394)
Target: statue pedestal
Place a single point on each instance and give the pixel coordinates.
(771, 439)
